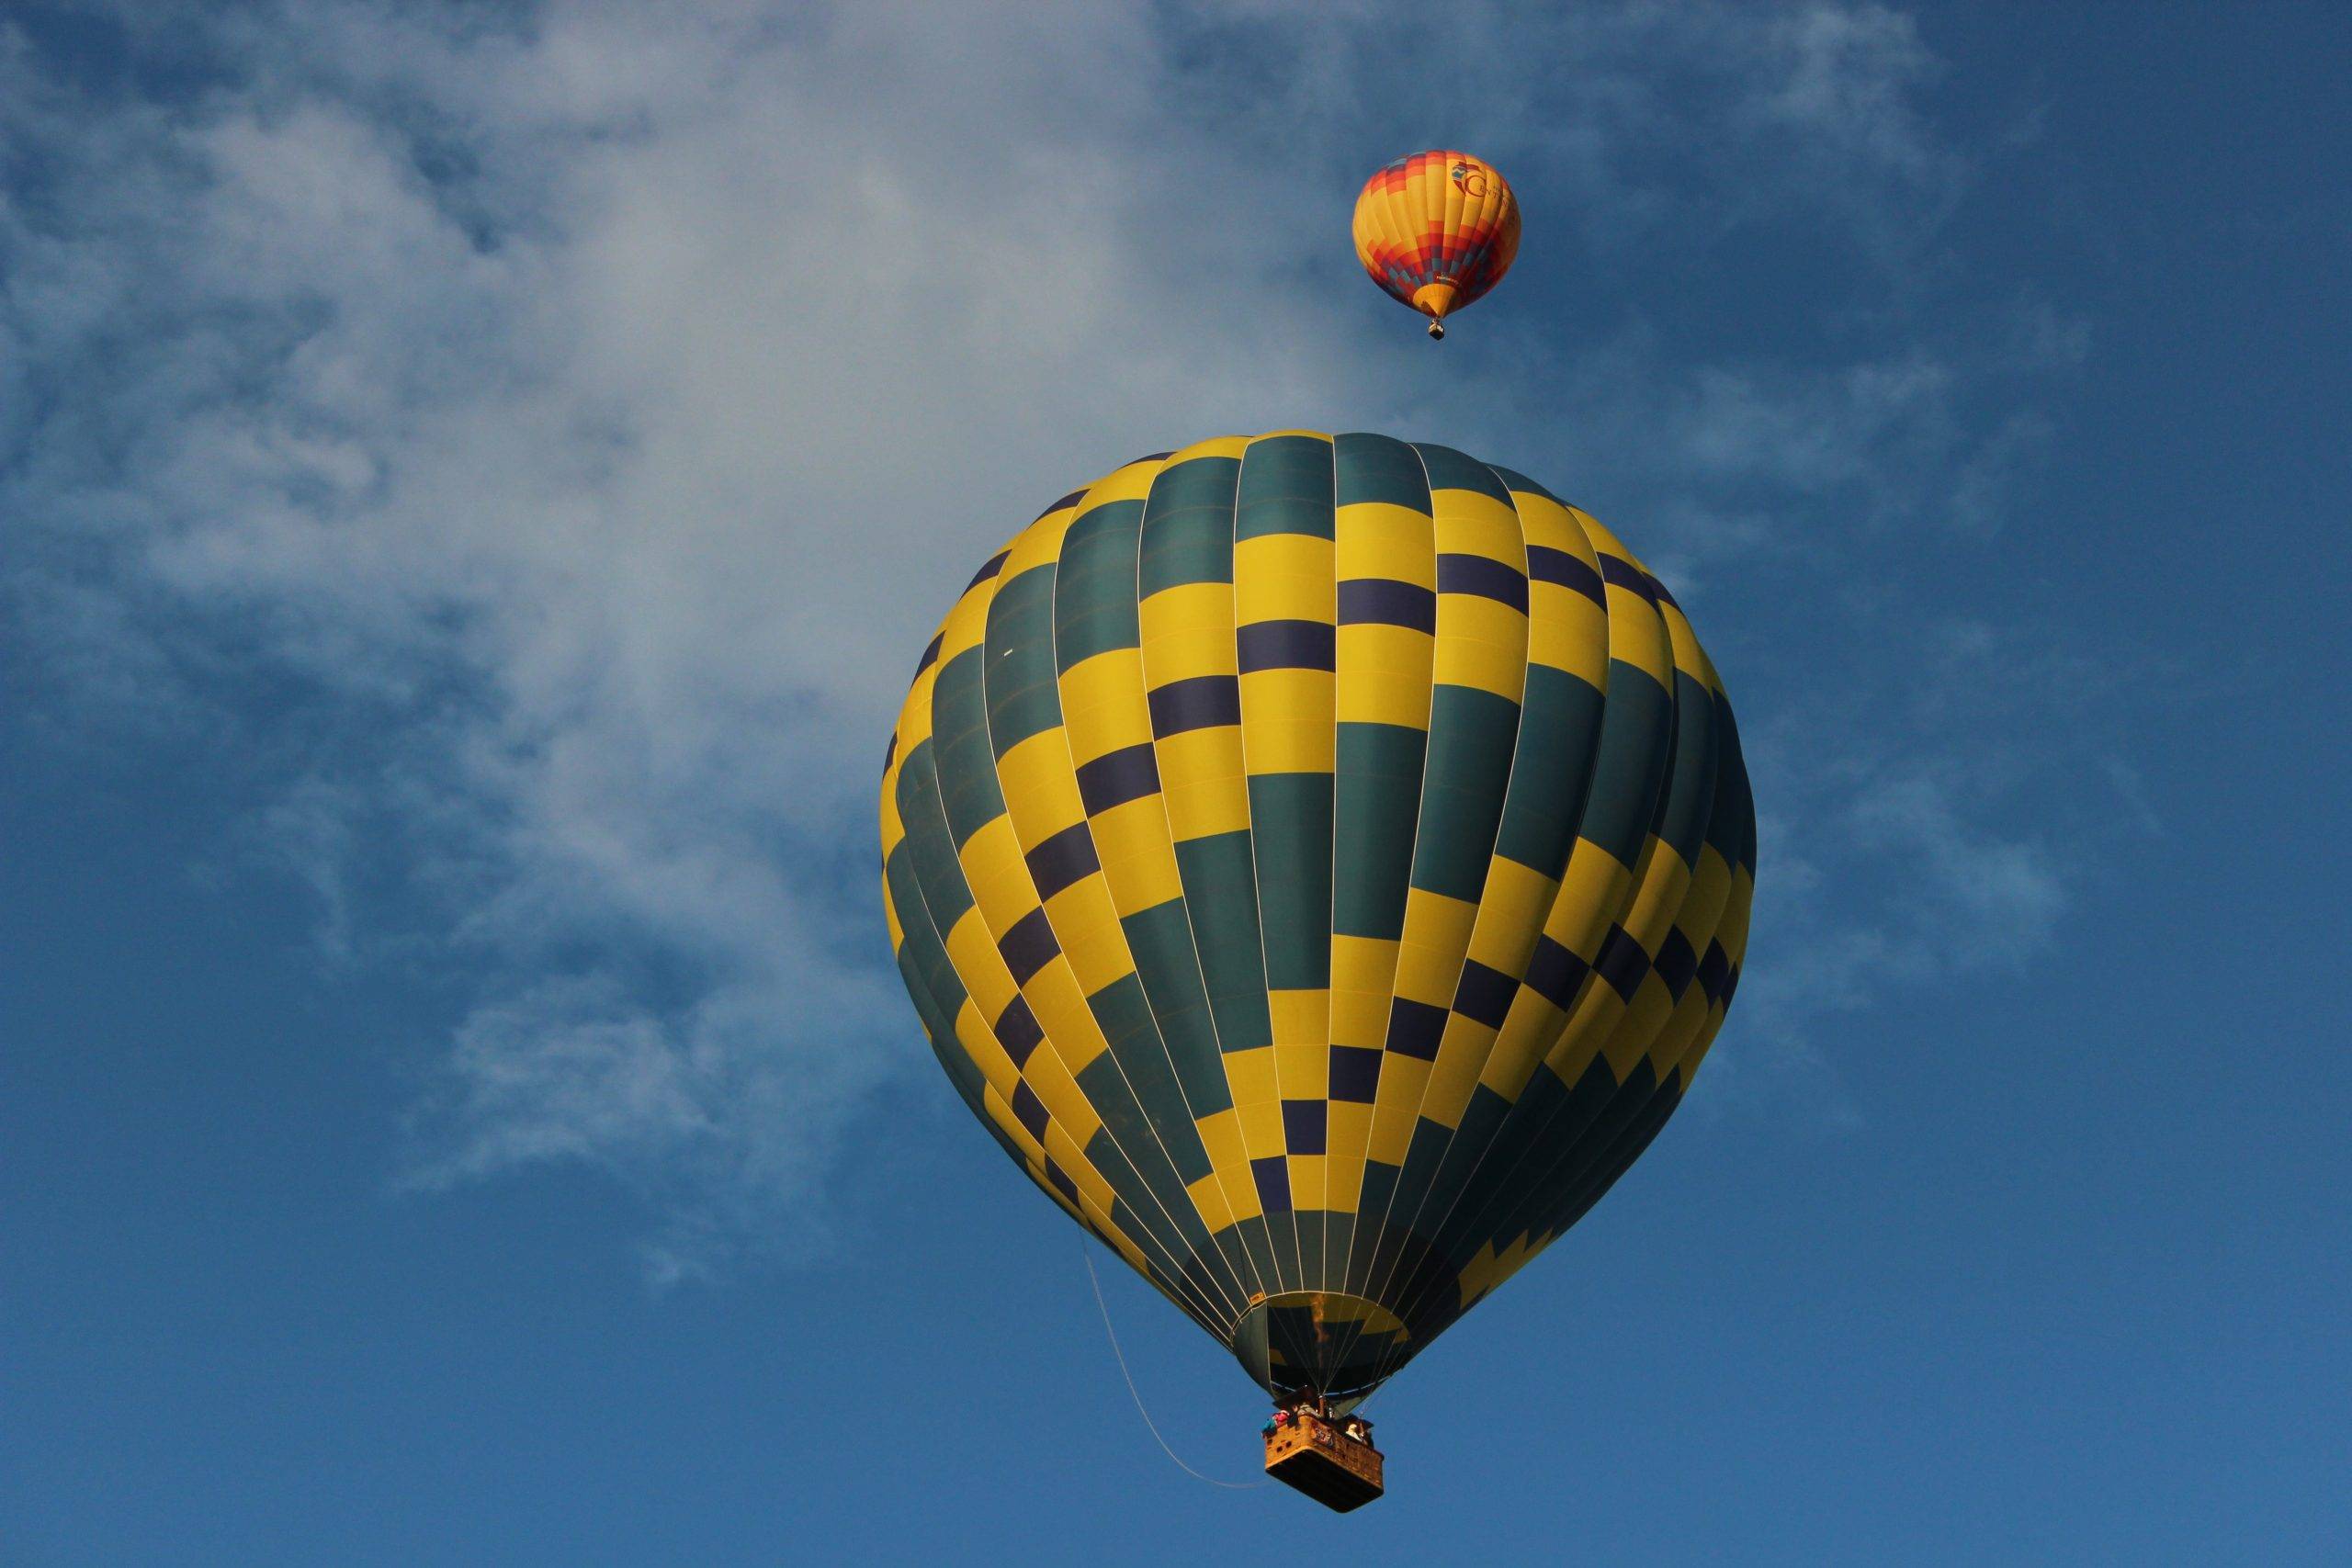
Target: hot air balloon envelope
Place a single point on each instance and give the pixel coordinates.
(1322, 861)
(1436, 231)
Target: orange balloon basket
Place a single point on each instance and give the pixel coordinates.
(1317, 1457)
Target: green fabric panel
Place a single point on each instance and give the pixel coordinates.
(1221, 892)
(1144, 1213)
(1094, 592)
(1022, 697)
(1450, 469)
(1377, 798)
(1188, 525)
(1691, 781)
(1140, 1133)
(966, 776)
(1471, 736)
(1286, 488)
(939, 873)
(1290, 824)
(1377, 468)
(1636, 735)
(938, 994)
(1559, 736)
(1519, 481)
(1161, 940)
(1126, 1023)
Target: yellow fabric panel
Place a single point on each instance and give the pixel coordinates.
(1704, 903)
(1637, 636)
(1303, 1069)
(1429, 959)
(1229, 1163)
(1139, 862)
(1645, 1018)
(1040, 787)
(1376, 539)
(1597, 1013)
(1131, 482)
(914, 718)
(1209, 1201)
(1087, 926)
(1072, 1113)
(1187, 631)
(1481, 642)
(1307, 1180)
(1462, 1052)
(1593, 887)
(980, 1043)
(971, 949)
(1679, 1032)
(1000, 1111)
(1286, 721)
(1732, 933)
(1395, 1104)
(1363, 971)
(1103, 709)
(1544, 521)
(1040, 544)
(998, 875)
(1688, 659)
(1383, 675)
(1201, 778)
(1053, 995)
(1520, 1045)
(1510, 916)
(1284, 577)
(1657, 897)
(1475, 524)
(1300, 1017)
(1567, 631)
(1261, 1126)
(1251, 1075)
(968, 624)
(1066, 1152)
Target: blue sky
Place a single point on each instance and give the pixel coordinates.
(474, 479)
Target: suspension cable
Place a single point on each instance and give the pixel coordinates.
(1095, 1280)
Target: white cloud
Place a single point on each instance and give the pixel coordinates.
(593, 408)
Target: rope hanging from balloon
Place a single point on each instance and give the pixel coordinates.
(1095, 1280)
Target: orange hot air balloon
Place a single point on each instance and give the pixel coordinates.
(1436, 231)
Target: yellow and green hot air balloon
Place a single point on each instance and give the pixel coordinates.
(1436, 231)
(1322, 862)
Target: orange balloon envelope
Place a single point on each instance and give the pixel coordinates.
(1436, 231)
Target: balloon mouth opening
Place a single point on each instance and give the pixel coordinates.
(1338, 1345)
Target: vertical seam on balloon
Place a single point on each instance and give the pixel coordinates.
(1534, 1148)
(987, 722)
(1052, 633)
(1174, 1286)
(1120, 1068)
(1149, 1121)
(1257, 909)
(1592, 762)
(1192, 927)
(1331, 896)
(1599, 1160)
(1420, 799)
(1485, 877)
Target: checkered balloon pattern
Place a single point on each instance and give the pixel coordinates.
(1321, 862)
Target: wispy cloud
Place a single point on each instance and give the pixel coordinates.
(576, 417)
